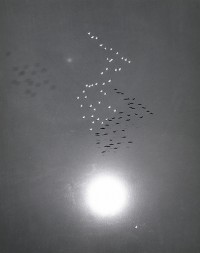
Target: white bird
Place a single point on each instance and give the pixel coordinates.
(102, 123)
(97, 118)
(114, 110)
(77, 97)
(117, 53)
(125, 59)
(110, 60)
(103, 83)
(111, 49)
(107, 59)
(92, 116)
(105, 93)
(105, 48)
(92, 37)
(83, 117)
(94, 109)
(115, 70)
(106, 119)
(106, 68)
(96, 38)
(101, 73)
(120, 69)
(109, 80)
(122, 58)
(99, 102)
(101, 45)
(129, 61)
(86, 85)
(89, 33)
(90, 129)
(96, 84)
(83, 91)
(85, 96)
(90, 105)
(92, 85)
(109, 107)
(101, 90)
(81, 105)
(92, 122)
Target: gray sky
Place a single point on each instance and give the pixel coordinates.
(46, 150)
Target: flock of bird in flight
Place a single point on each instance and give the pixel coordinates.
(30, 77)
(108, 123)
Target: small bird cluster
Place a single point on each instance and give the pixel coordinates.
(107, 121)
(30, 78)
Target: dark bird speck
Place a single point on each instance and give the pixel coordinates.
(43, 70)
(52, 87)
(27, 91)
(15, 68)
(8, 53)
(38, 84)
(22, 73)
(33, 72)
(33, 94)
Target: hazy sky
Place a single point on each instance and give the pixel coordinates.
(47, 153)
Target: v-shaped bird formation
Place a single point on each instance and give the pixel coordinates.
(108, 122)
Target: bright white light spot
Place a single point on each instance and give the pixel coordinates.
(122, 58)
(92, 122)
(109, 106)
(109, 80)
(101, 73)
(86, 85)
(105, 93)
(105, 48)
(125, 59)
(129, 61)
(114, 110)
(89, 33)
(85, 96)
(83, 91)
(111, 49)
(115, 70)
(136, 226)
(96, 84)
(101, 45)
(69, 60)
(94, 109)
(117, 53)
(102, 123)
(83, 117)
(96, 38)
(92, 116)
(81, 105)
(97, 118)
(77, 97)
(120, 69)
(106, 195)
(91, 105)
(101, 90)
(90, 129)
(106, 68)
(92, 37)
(99, 102)
(103, 83)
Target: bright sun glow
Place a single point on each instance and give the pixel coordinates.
(106, 195)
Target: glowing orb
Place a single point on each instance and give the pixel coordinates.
(106, 195)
